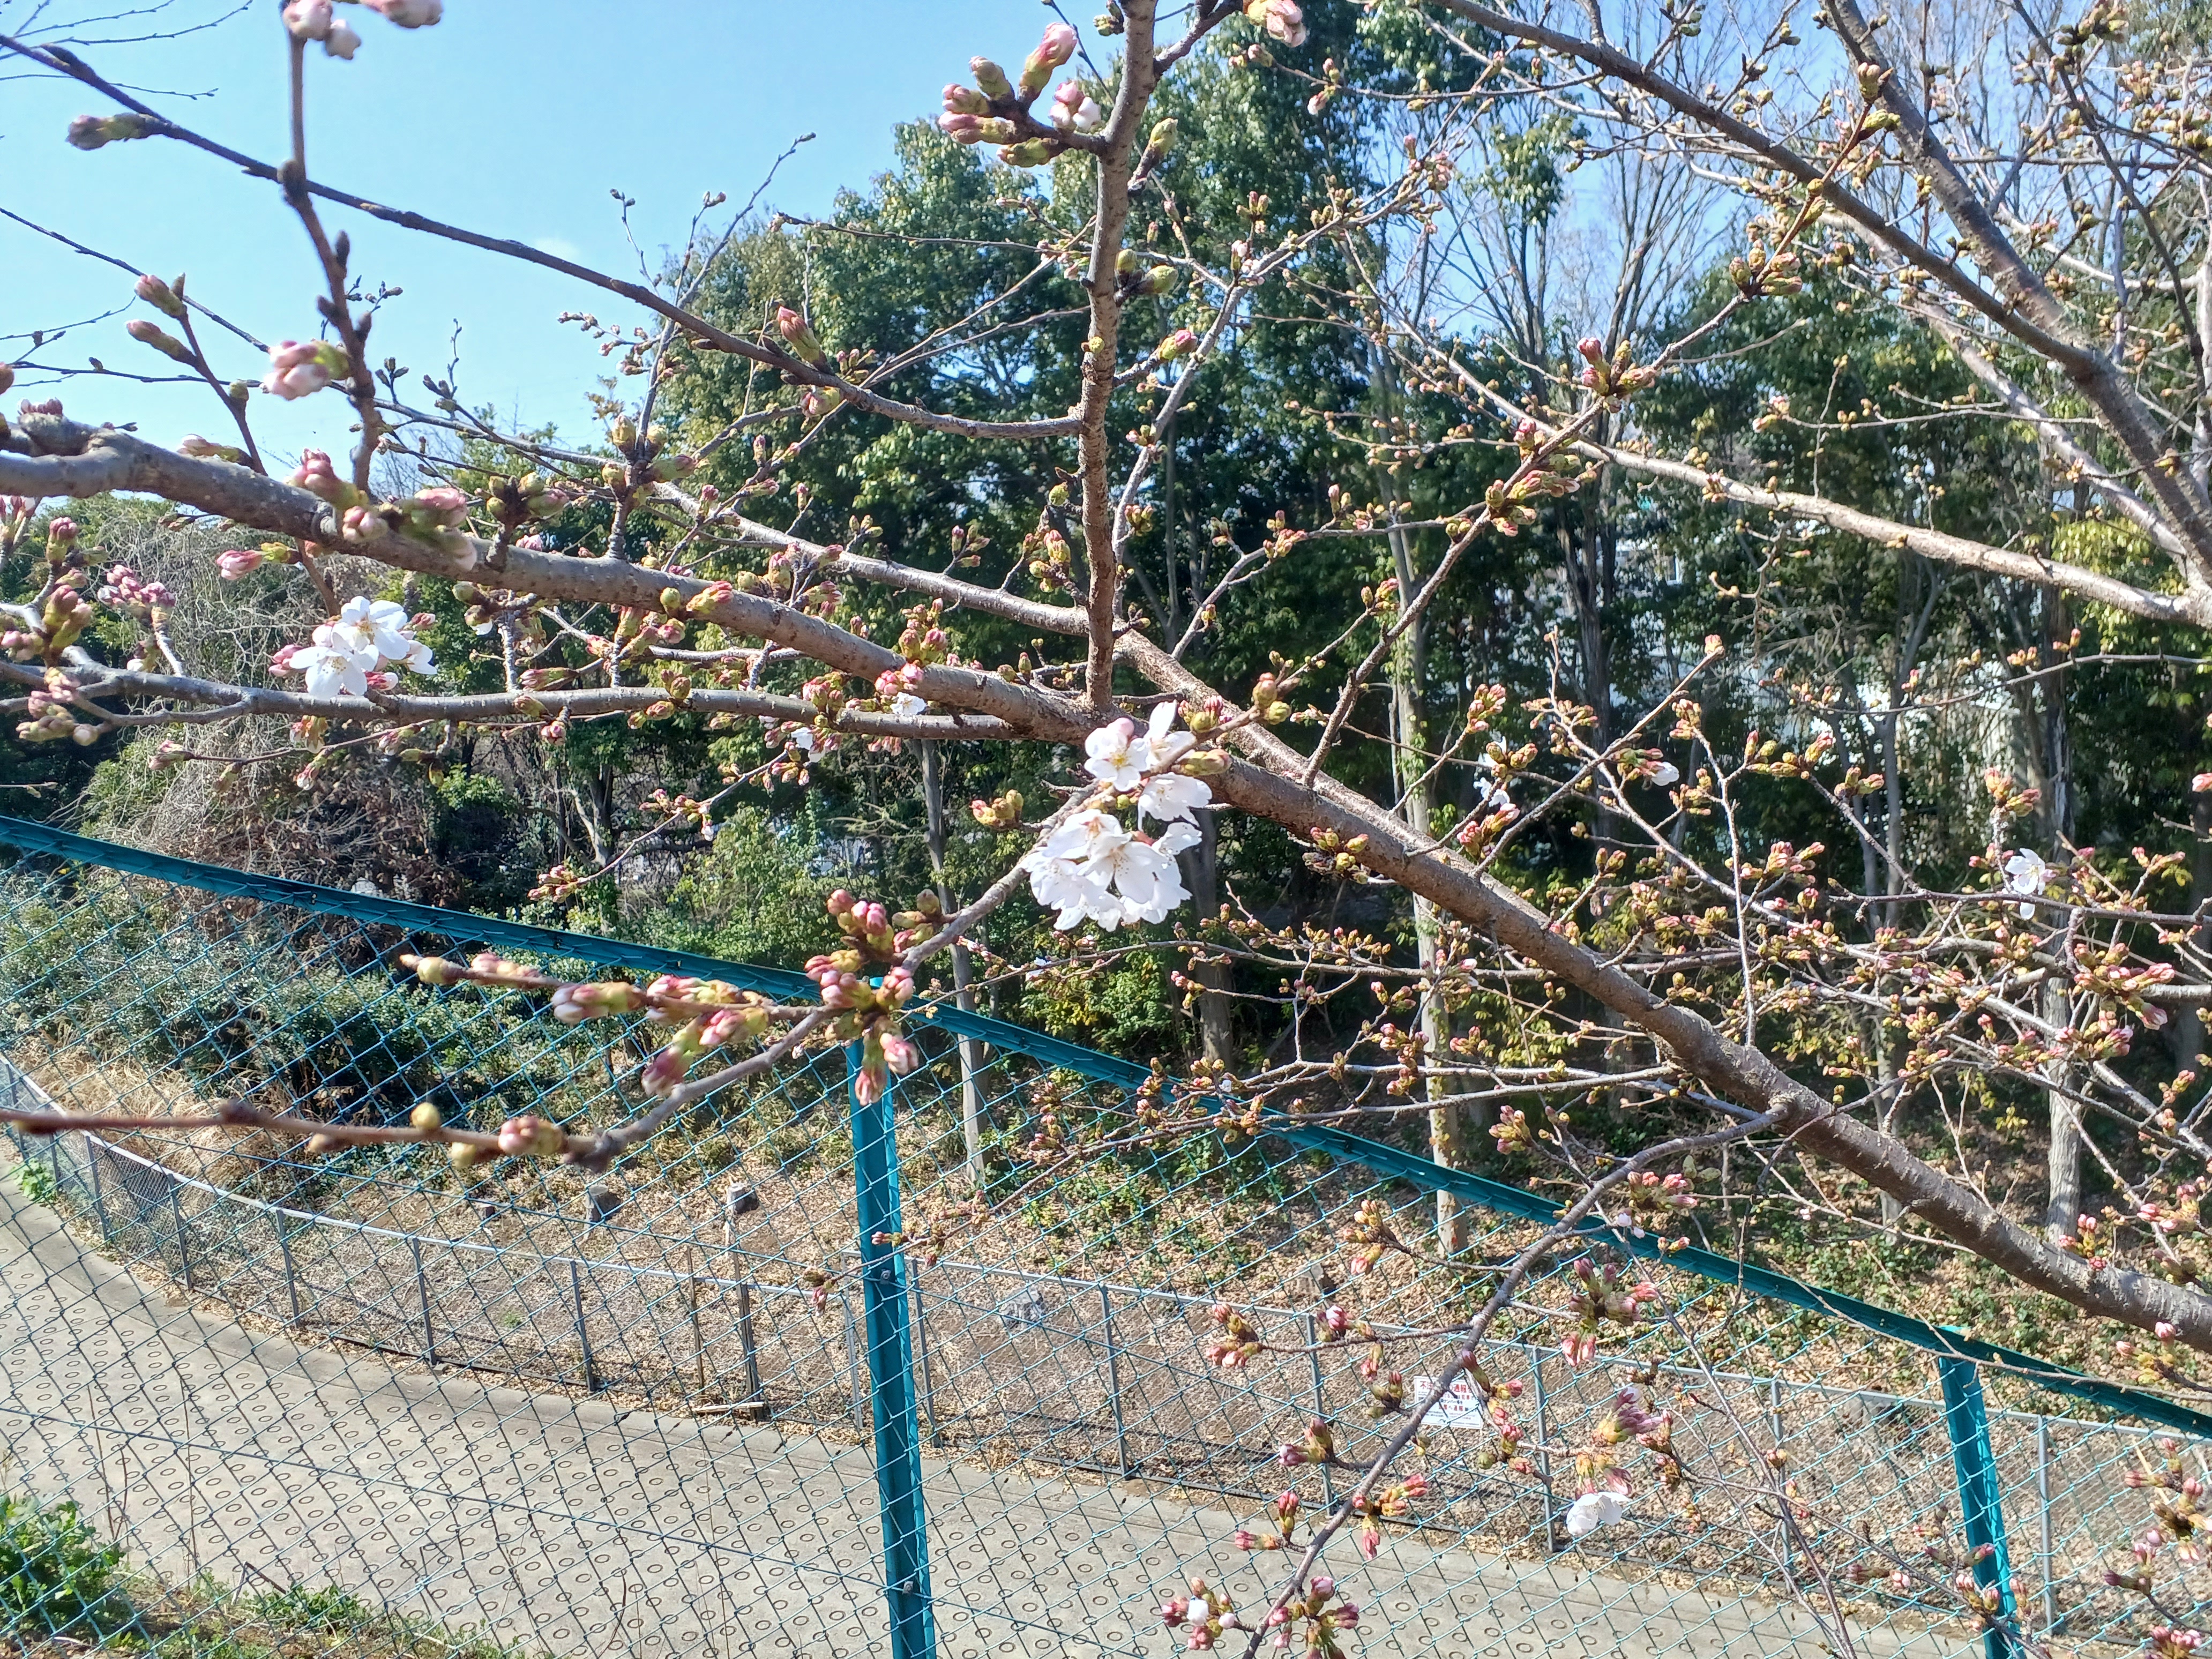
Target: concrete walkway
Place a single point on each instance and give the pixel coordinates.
(573, 1528)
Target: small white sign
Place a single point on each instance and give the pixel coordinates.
(1461, 1408)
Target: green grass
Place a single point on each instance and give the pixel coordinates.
(63, 1591)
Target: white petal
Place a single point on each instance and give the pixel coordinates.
(1178, 837)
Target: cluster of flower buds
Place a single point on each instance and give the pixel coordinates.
(52, 717)
(1138, 278)
(1239, 1341)
(1655, 1202)
(1281, 18)
(1761, 271)
(133, 594)
(1318, 1447)
(2177, 1501)
(989, 112)
(712, 1013)
(2172, 1642)
(1286, 1508)
(61, 612)
(1391, 1503)
(865, 984)
(307, 21)
(1002, 813)
(1075, 110)
(298, 368)
(708, 1013)
(1603, 1296)
(1202, 1618)
(1616, 377)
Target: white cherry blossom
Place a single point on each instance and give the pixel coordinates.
(906, 705)
(2025, 871)
(366, 636)
(1163, 748)
(1170, 797)
(1150, 885)
(1117, 756)
(334, 664)
(1594, 1510)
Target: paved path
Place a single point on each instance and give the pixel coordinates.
(573, 1528)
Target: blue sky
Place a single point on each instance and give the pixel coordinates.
(509, 118)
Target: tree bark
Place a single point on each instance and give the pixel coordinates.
(971, 1058)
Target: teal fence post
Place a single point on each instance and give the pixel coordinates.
(1967, 1419)
(891, 1371)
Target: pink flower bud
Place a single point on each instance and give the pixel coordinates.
(1058, 45)
(308, 20)
(1075, 110)
(445, 502)
(408, 13)
(961, 128)
(1280, 18)
(341, 42)
(298, 368)
(316, 475)
(794, 329)
(159, 294)
(900, 1054)
(965, 101)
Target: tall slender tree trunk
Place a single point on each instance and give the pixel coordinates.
(2188, 1037)
(971, 1058)
(2054, 755)
(1449, 1127)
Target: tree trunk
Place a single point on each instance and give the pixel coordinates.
(971, 1058)
(2054, 753)
(2188, 1030)
(1448, 1128)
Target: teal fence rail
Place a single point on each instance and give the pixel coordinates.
(693, 1407)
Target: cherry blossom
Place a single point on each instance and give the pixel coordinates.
(1117, 756)
(349, 651)
(1171, 797)
(2025, 872)
(1594, 1510)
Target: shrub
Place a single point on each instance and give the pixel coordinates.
(56, 1577)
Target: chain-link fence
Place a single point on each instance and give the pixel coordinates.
(693, 1407)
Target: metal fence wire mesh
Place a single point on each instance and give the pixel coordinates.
(539, 1414)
